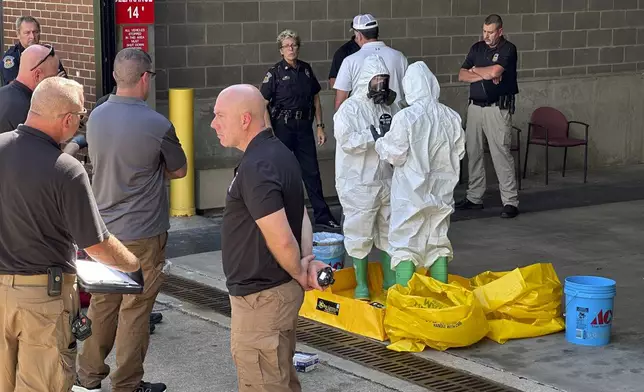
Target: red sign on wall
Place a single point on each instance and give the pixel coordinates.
(135, 37)
(134, 12)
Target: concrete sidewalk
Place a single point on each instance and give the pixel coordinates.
(192, 354)
(598, 240)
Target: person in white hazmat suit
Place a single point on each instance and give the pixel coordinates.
(425, 145)
(362, 179)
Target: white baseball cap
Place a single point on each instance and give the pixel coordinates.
(364, 22)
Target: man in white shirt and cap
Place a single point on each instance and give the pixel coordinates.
(366, 31)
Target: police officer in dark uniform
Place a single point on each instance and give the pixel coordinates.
(344, 51)
(491, 70)
(28, 33)
(292, 94)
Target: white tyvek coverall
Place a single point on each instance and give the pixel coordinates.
(425, 144)
(362, 179)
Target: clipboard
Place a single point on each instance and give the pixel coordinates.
(97, 278)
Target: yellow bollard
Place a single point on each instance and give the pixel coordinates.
(182, 191)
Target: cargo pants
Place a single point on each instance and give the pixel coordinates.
(37, 348)
(123, 322)
(496, 125)
(262, 338)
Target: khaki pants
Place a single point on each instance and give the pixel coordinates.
(37, 348)
(132, 315)
(262, 338)
(496, 124)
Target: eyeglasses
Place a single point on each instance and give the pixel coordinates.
(152, 74)
(81, 114)
(294, 47)
(51, 53)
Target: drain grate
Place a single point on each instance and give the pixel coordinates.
(366, 352)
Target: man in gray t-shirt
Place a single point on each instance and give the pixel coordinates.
(133, 150)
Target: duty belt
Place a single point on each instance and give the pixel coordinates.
(505, 102)
(291, 113)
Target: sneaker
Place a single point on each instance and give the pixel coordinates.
(78, 387)
(149, 387)
(156, 318)
(466, 204)
(330, 225)
(509, 211)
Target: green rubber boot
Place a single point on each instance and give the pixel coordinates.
(388, 275)
(362, 287)
(404, 271)
(438, 270)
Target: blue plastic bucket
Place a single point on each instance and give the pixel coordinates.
(589, 309)
(329, 248)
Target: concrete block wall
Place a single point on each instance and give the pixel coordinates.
(572, 55)
(210, 44)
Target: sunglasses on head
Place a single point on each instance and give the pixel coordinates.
(51, 53)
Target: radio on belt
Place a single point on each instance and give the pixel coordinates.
(82, 327)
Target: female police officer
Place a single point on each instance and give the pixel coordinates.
(291, 91)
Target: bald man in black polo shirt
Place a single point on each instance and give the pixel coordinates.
(266, 244)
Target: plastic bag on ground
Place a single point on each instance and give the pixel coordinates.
(434, 314)
(522, 303)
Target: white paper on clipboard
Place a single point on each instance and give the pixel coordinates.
(93, 273)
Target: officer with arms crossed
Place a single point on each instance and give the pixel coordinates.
(491, 70)
(28, 33)
(38, 63)
(47, 206)
(133, 149)
(266, 244)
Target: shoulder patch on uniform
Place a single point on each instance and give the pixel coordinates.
(267, 77)
(495, 58)
(9, 62)
(306, 71)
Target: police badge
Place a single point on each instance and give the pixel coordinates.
(9, 62)
(495, 58)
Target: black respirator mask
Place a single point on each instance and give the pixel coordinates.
(379, 91)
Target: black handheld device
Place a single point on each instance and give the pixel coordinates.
(54, 281)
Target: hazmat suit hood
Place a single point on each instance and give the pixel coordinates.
(373, 66)
(420, 83)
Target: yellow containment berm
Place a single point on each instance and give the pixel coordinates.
(522, 303)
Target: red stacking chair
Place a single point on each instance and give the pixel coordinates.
(549, 127)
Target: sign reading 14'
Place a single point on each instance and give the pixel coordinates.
(134, 12)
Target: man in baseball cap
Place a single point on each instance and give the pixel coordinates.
(366, 30)
(364, 22)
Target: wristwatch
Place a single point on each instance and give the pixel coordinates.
(321, 125)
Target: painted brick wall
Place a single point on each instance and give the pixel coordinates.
(209, 44)
(69, 26)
